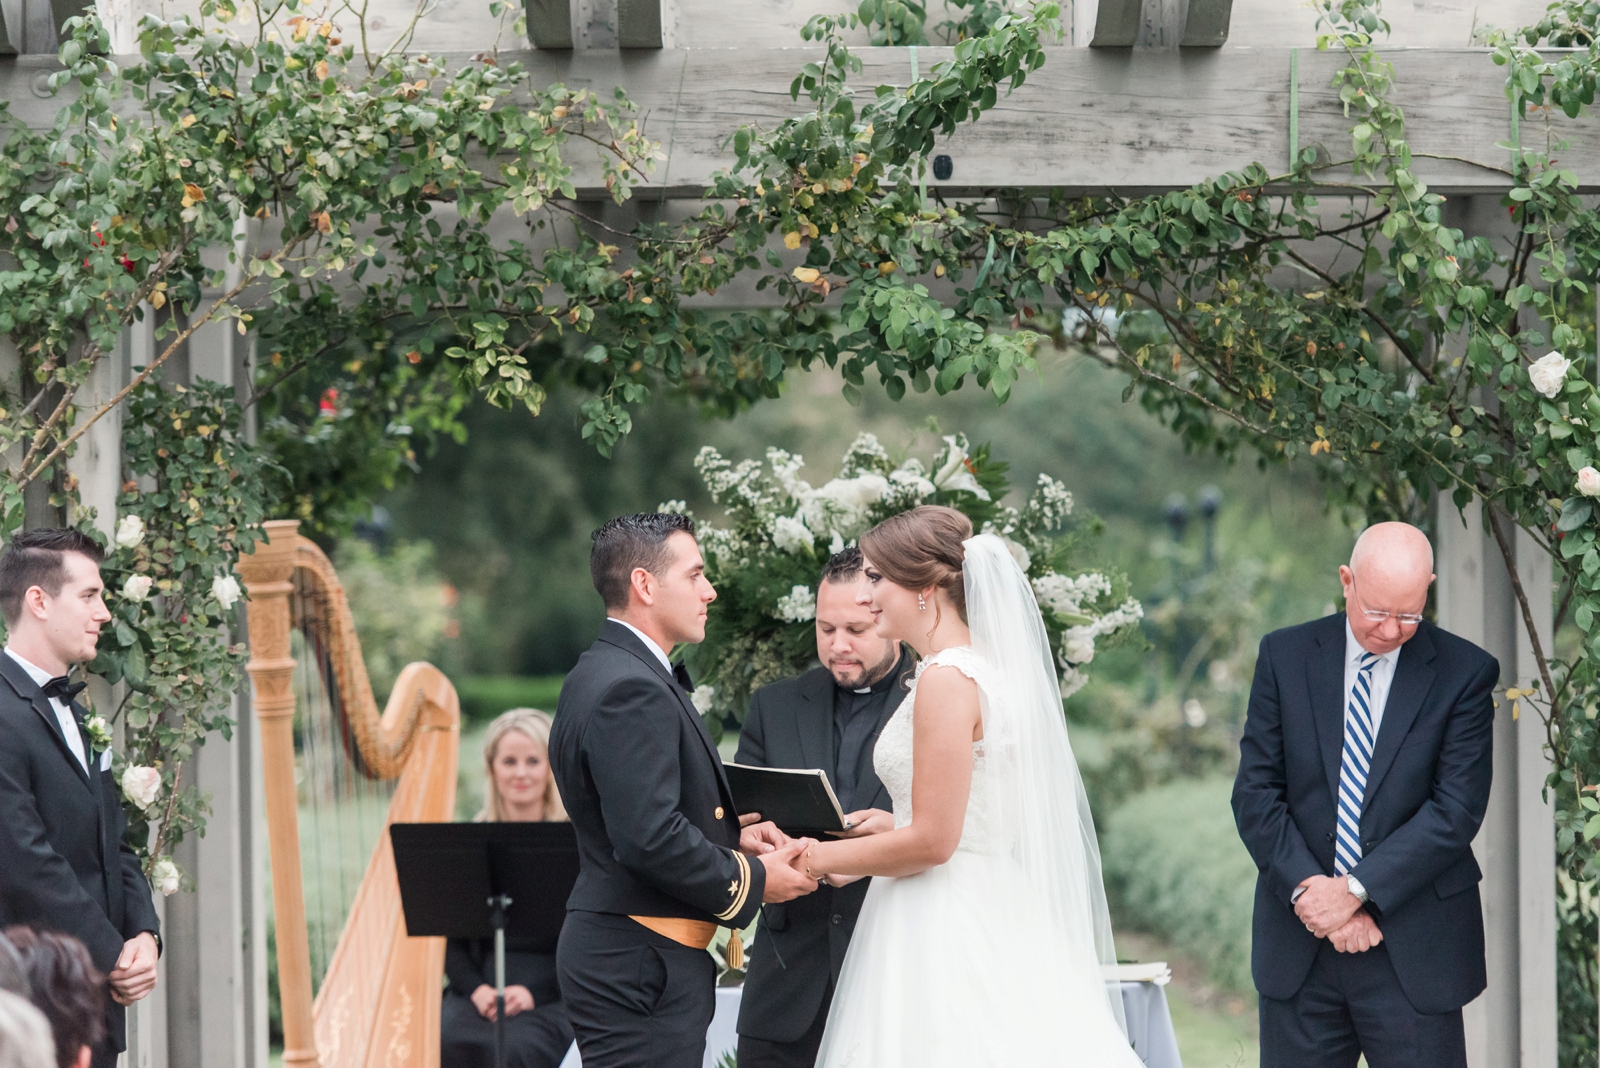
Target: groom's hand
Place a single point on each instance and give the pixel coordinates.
(756, 838)
(785, 881)
(1360, 934)
(1326, 905)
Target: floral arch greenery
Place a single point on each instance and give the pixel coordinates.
(1434, 363)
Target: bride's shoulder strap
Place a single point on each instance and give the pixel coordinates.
(960, 657)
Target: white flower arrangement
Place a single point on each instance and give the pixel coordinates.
(767, 562)
(800, 606)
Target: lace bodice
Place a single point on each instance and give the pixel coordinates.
(892, 759)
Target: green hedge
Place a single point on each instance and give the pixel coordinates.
(1174, 866)
(484, 697)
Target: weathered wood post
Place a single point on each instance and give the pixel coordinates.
(267, 576)
(1513, 1023)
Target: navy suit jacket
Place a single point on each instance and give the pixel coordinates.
(1427, 789)
(658, 833)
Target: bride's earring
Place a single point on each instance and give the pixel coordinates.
(922, 606)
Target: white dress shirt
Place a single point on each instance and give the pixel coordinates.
(1382, 677)
(649, 643)
(64, 716)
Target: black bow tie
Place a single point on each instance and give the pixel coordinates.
(66, 691)
(681, 673)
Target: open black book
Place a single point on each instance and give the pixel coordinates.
(799, 800)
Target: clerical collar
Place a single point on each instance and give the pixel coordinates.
(883, 683)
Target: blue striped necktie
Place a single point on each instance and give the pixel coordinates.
(1358, 739)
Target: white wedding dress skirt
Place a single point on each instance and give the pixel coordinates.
(948, 967)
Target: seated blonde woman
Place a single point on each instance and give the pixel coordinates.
(518, 787)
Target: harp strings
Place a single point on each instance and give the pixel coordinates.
(342, 807)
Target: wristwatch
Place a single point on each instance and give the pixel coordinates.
(1357, 889)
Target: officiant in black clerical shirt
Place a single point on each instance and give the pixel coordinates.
(828, 718)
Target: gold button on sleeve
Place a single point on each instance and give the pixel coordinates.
(718, 812)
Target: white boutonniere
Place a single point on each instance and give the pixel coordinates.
(99, 732)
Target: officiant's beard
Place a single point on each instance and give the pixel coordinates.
(868, 676)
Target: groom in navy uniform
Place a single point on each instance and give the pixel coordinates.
(1363, 777)
(664, 857)
(828, 718)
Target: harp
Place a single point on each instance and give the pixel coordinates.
(355, 991)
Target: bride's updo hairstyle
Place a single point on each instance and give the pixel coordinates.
(922, 548)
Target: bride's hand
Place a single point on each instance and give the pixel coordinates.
(866, 821)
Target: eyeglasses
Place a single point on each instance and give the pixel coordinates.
(1378, 615)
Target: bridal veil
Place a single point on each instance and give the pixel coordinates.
(1039, 810)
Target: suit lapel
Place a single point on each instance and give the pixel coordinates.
(615, 633)
(29, 691)
(815, 724)
(1325, 676)
(1413, 678)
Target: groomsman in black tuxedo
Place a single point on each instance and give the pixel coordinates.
(63, 864)
(664, 855)
(1363, 777)
(828, 718)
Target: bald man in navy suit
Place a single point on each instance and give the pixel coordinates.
(1363, 778)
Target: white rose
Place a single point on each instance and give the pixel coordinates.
(225, 588)
(137, 588)
(800, 606)
(701, 698)
(166, 876)
(130, 531)
(837, 544)
(1589, 482)
(790, 535)
(141, 785)
(1077, 645)
(1019, 554)
(1549, 373)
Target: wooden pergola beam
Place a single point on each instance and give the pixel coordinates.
(549, 23)
(1089, 121)
(639, 24)
(1116, 23)
(1205, 24)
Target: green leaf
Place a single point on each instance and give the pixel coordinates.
(1575, 512)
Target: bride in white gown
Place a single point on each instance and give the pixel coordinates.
(982, 938)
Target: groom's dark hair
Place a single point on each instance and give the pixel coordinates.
(38, 558)
(628, 542)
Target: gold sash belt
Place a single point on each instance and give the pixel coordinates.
(696, 934)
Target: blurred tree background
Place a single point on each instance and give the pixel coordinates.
(484, 545)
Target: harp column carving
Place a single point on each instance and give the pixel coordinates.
(268, 574)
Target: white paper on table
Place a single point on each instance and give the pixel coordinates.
(1155, 971)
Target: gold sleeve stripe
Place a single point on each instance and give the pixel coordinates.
(744, 888)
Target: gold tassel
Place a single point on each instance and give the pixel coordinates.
(734, 956)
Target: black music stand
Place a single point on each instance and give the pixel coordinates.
(481, 880)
